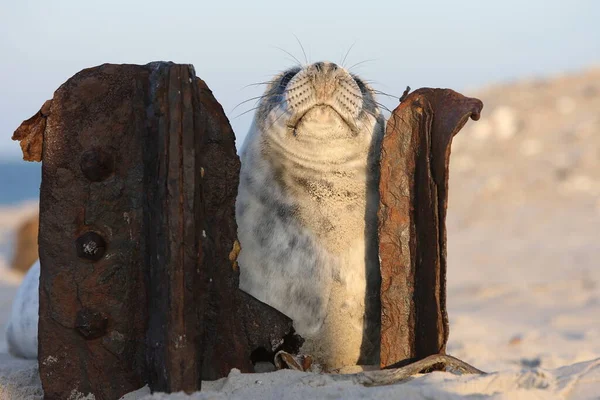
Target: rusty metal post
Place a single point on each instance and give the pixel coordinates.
(137, 243)
(412, 230)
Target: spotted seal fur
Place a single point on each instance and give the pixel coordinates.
(307, 210)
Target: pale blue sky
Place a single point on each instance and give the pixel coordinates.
(456, 44)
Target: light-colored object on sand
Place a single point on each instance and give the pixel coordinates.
(505, 120)
(482, 130)
(25, 251)
(307, 210)
(565, 105)
(21, 331)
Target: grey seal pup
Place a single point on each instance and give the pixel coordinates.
(307, 210)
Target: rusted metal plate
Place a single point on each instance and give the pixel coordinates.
(92, 328)
(412, 233)
(174, 221)
(139, 280)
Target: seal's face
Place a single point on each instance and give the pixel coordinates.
(319, 100)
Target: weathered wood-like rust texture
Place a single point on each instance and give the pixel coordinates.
(92, 292)
(174, 222)
(412, 232)
(138, 247)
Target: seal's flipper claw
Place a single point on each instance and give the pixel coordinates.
(285, 360)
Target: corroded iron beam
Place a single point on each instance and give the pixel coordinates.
(137, 243)
(412, 231)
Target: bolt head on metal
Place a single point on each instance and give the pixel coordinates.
(97, 165)
(90, 246)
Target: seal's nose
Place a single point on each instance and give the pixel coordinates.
(325, 66)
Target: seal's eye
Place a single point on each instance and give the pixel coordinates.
(286, 78)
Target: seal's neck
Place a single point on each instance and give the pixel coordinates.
(317, 147)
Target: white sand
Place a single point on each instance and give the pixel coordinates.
(523, 271)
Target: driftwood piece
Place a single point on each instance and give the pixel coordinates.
(138, 248)
(412, 231)
(395, 375)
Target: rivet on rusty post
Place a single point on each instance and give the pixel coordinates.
(91, 324)
(97, 165)
(90, 246)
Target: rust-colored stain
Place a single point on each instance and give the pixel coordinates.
(30, 133)
(233, 255)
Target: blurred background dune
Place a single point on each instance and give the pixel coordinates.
(525, 181)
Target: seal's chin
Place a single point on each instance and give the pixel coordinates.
(322, 120)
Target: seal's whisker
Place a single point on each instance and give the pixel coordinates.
(250, 99)
(256, 84)
(277, 118)
(267, 96)
(246, 112)
(302, 47)
(382, 106)
(356, 123)
(385, 94)
(371, 83)
(371, 113)
(289, 54)
(362, 62)
(346, 56)
(292, 60)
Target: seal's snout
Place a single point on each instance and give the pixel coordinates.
(319, 66)
(324, 66)
(324, 84)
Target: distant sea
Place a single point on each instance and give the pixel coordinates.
(19, 181)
